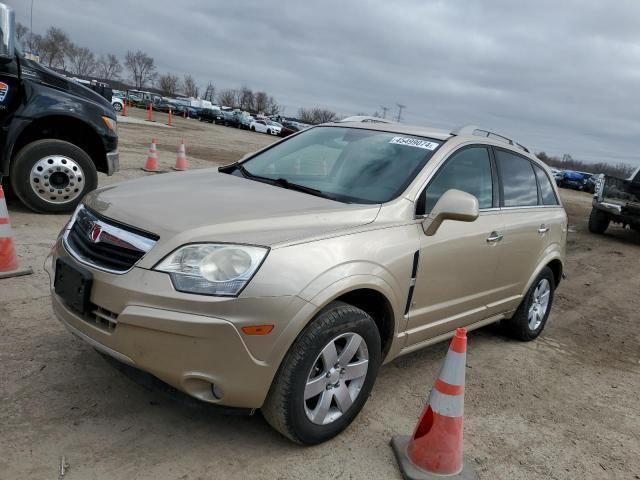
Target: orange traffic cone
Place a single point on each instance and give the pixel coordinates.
(124, 109)
(150, 112)
(181, 161)
(435, 449)
(169, 121)
(8, 257)
(152, 158)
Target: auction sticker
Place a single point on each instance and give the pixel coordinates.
(4, 89)
(414, 142)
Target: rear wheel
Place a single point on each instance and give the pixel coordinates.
(532, 314)
(598, 221)
(52, 175)
(326, 377)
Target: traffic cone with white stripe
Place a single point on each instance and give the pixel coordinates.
(152, 158)
(8, 257)
(181, 160)
(435, 449)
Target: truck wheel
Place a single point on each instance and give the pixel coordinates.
(532, 314)
(326, 376)
(598, 221)
(52, 175)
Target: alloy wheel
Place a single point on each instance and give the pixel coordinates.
(336, 378)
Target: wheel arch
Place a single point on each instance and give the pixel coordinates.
(66, 128)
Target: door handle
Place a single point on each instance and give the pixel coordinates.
(494, 237)
(543, 229)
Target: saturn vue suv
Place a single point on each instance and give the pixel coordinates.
(284, 281)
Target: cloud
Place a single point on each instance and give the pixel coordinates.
(558, 76)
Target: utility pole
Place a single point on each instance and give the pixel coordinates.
(400, 108)
(384, 111)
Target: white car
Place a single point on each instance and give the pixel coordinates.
(265, 126)
(117, 103)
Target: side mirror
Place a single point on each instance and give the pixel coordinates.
(7, 33)
(453, 205)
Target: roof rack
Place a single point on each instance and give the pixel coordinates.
(483, 132)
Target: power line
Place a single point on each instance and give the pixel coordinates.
(384, 111)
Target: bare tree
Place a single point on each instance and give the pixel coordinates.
(209, 92)
(53, 47)
(316, 115)
(227, 97)
(567, 162)
(108, 67)
(169, 84)
(246, 98)
(21, 31)
(260, 101)
(33, 42)
(272, 106)
(141, 66)
(81, 60)
(190, 87)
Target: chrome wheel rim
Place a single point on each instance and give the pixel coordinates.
(336, 378)
(57, 179)
(539, 304)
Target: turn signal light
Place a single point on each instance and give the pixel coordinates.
(257, 329)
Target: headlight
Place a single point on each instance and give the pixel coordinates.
(212, 269)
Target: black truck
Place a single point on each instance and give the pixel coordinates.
(615, 200)
(55, 133)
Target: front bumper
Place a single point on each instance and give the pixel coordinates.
(113, 162)
(190, 350)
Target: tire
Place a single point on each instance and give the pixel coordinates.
(117, 107)
(285, 408)
(521, 326)
(253, 129)
(268, 131)
(84, 177)
(598, 221)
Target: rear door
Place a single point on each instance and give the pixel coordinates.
(532, 217)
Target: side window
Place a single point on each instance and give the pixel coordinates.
(548, 195)
(518, 180)
(468, 170)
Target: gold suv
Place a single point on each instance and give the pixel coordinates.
(283, 281)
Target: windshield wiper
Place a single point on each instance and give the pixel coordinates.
(284, 183)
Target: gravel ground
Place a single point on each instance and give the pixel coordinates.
(566, 406)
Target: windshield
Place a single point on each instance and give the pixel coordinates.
(346, 164)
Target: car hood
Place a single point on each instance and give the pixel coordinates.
(206, 205)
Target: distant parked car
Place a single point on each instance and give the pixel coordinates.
(245, 121)
(572, 180)
(230, 119)
(265, 126)
(117, 103)
(211, 115)
(164, 106)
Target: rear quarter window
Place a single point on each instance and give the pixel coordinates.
(546, 190)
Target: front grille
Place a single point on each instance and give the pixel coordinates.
(106, 244)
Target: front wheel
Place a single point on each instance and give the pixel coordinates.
(117, 107)
(52, 175)
(598, 221)
(326, 377)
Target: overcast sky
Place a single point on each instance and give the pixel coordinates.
(560, 76)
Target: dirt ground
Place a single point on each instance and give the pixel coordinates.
(566, 406)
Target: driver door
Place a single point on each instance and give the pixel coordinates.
(456, 277)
